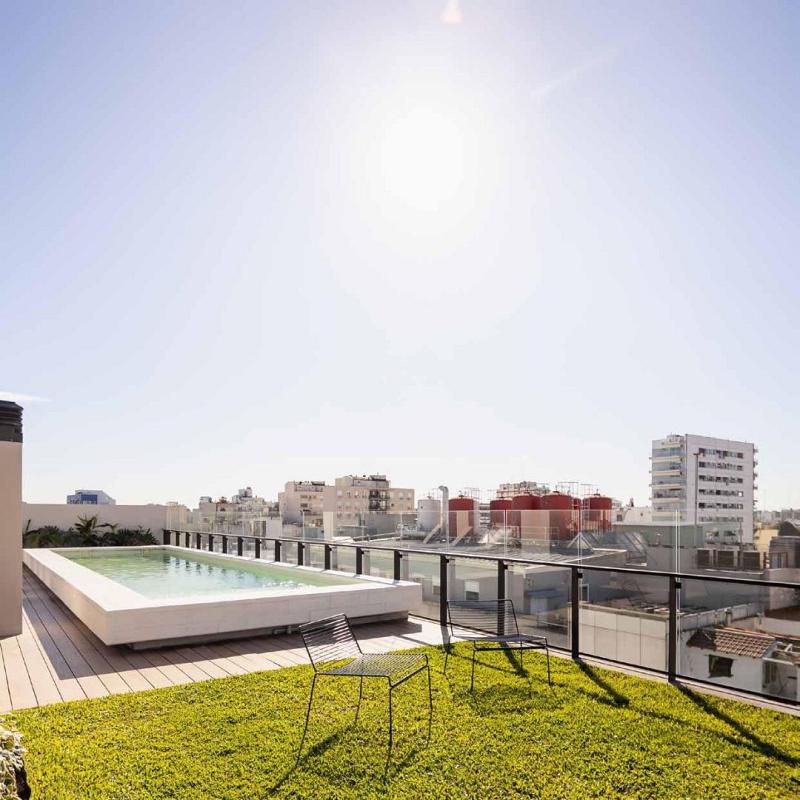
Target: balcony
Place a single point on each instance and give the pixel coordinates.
(191, 736)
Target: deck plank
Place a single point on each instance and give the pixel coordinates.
(5, 697)
(42, 683)
(20, 688)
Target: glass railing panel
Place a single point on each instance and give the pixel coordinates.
(541, 596)
(289, 552)
(741, 636)
(423, 569)
(314, 555)
(379, 563)
(344, 559)
(471, 579)
(624, 617)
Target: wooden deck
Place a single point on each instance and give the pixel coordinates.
(56, 658)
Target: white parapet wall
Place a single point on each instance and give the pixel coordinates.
(65, 515)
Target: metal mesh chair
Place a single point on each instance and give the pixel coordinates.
(495, 627)
(334, 652)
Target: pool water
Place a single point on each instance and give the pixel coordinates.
(158, 573)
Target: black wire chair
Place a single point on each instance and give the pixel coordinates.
(334, 652)
(495, 627)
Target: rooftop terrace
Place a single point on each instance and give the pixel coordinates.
(154, 725)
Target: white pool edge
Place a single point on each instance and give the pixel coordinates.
(118, 615)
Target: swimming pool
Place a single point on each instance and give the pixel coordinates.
(157, 595)
(159, 573)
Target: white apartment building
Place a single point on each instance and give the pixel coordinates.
(704, 480)
(301, 502)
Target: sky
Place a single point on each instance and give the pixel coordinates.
(458, 243)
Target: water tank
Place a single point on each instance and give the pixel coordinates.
(597, 513)
(526, 502)
(597, 502)
(500, 513)
(555, 501)
(429, 513)
(462, 504)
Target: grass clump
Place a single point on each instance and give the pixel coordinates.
(596, 734)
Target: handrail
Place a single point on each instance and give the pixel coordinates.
(507, 559)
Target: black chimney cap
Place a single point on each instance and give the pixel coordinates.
(10, 422)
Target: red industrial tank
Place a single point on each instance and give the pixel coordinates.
(462, 518)
(597, 513)
(461, 504)
(500, 512)
(556, 501)
(527, 502)
(562, 518)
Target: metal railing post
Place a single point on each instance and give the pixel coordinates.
(167, 537)
(359, 560)
(443, 563)
(224, 543)
(328, 549)
(257, 544)
(199, 540)
(575, 606)
(239, 545)
(672, 642)
(210, 542)
(277, 550)
(301, 552)
(501, 595)
(397, 557)
(186, 538)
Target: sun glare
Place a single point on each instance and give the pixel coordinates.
(422, 159)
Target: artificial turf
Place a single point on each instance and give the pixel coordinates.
(595, 733)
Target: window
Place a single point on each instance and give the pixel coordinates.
(720, 667)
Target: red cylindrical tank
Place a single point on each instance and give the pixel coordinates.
(561, 510)
(527, 502)
(461, 504)
(555, 501)
(500, 513)
(597, 513)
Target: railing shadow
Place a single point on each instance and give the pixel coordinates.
(755, 741)
(616, 698)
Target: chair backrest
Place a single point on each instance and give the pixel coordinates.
(495, 617)
(328, 640)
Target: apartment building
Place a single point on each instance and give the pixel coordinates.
(353, 495)
(704, 480)
(301, 502)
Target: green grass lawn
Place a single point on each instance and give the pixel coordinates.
(596, 733)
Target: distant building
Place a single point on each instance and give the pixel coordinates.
(508, 491)
(90, 497)
(300, 502)
(704, 480)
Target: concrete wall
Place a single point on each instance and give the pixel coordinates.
(746, 673)
(65, 516)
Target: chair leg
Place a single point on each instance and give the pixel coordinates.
(547, 653)
(308, 714)
(360, 693)
(472, 677)
(430, 704)
(391, 727)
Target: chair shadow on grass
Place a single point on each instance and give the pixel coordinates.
(754, 741)
(312, 751)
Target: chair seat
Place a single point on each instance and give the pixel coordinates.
(379, 665)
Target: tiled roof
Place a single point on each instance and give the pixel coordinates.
(734, 641)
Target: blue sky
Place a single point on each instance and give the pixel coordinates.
(244, 243)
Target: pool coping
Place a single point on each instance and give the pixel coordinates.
(119, 615)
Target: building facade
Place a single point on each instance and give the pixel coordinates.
(704, 480)
(301, 502)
